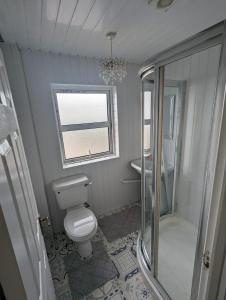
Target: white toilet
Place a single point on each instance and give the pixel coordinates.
(80, 223)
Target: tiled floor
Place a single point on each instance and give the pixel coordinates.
(129, 284)
(121, 223)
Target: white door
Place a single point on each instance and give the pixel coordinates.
(18, 203)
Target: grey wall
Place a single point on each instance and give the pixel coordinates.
(35, 71)
(200, 72)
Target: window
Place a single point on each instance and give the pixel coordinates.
(87, 123)
(147, 121)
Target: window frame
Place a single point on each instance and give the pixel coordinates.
(111, 123)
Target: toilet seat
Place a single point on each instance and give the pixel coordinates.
(80, 224)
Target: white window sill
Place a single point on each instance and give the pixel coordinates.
(87, 162)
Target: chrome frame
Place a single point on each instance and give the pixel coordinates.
(158, 109)
(143, 156)
(111, 124)
(142, 166)
(206, 39)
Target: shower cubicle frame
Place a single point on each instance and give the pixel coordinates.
(209, 230)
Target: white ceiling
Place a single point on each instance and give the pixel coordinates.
(79, 26)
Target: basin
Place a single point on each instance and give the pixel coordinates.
(136, 165)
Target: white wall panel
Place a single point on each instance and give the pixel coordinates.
(200, 72)
(50, 11)
(107, 192)
(79, 27)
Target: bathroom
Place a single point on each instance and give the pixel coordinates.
(120, 173)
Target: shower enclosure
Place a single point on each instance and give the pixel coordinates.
(181, 105)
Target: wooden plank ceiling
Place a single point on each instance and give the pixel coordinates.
(78, 27)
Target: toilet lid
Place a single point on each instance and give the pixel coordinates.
(80, 222)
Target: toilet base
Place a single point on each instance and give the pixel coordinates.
(85, 249)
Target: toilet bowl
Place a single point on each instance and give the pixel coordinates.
(80, 225)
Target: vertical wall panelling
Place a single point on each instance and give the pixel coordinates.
(41, 69)
(78, 27)
(200, 72)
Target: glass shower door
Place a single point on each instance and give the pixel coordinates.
(185, 137)
(147, 98)
(181, 122)
(167, 176)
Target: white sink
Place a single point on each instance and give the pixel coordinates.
(136, 165)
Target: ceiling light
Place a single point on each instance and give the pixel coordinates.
(161, 4)
(164, 3)
(112, 69)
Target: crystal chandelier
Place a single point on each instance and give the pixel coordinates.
(112, 69)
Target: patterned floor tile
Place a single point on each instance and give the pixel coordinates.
(129, 285)
(125, 262)
(64, 295)
(111, 289)
(135, 289)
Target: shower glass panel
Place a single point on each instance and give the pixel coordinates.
(147, 90)
(188, 102)
(173, 93)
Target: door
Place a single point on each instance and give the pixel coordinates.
(18, 203)
(185, 111)
(147, 234)
(178, 244)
